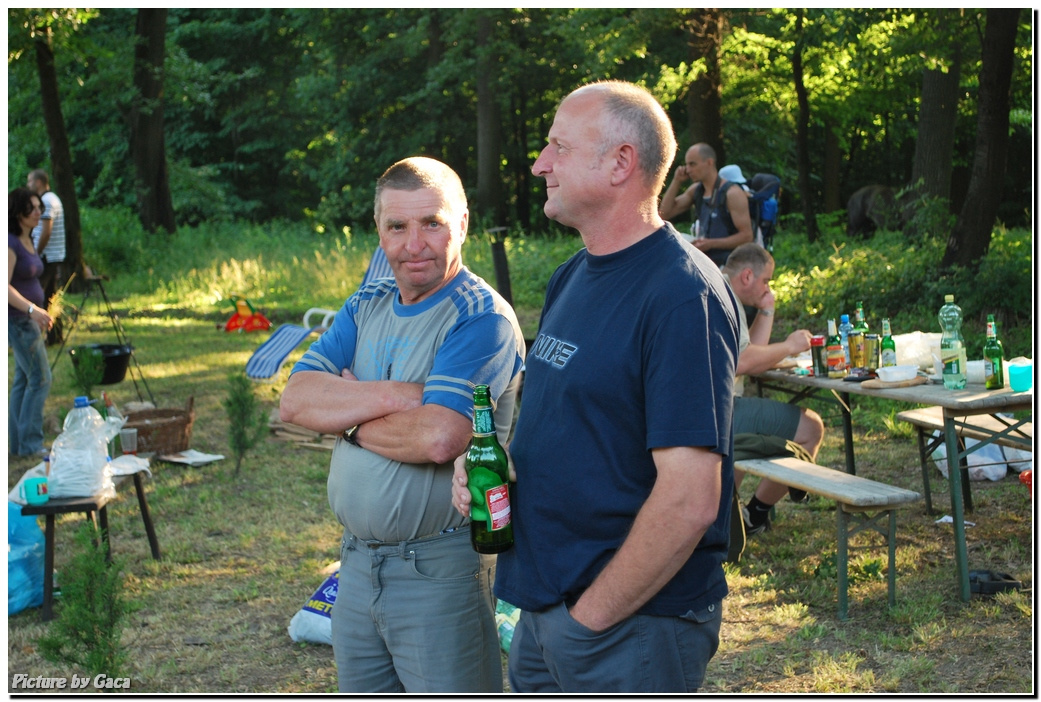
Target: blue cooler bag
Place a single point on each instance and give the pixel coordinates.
(25, 545)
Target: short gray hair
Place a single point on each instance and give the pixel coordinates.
(750, 255)
(420, 172)
(633, 115)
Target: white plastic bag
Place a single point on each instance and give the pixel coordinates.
(79, 464)
(916, 349)
(314, 622)
(987, 463)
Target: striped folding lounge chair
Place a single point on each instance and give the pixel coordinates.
(268, 359)
(379, 267)
(270, 356)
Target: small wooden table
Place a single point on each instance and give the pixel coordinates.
(959, 407)
(89, 506)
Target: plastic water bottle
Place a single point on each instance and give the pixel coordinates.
(952, 346)
(82, 417)
(844, 329)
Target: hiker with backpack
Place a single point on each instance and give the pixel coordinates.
(719, 211)
(762, 193)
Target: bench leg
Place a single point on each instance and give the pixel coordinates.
(48, 570)
(103, 527)
(923, 455)
(963, 466)
(891, 540)
(153, 541)
(842, 561)
(864, 521)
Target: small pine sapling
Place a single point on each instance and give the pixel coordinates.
(87, 633)
(88, 369)
(246, 418)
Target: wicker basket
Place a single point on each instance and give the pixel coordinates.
(163, 431)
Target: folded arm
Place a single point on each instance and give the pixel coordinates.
(328, 403)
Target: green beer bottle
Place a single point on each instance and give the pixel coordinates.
(861, 320)
(993, 358)
(888, 345)
(487, 474)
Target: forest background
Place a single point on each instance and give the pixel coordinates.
(190, 116)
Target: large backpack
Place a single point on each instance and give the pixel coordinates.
(764, 189)
(762, 206)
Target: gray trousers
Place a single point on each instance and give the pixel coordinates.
(551, 652)
(416, 616)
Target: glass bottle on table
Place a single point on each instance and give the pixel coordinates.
(993, 357)
(836, 355)
(888, 345)
(861, 319)
(487, 474)
(952, 346)
(111, 411)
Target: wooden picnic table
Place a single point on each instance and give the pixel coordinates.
(959, 409)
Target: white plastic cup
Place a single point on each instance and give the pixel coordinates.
(128, 440)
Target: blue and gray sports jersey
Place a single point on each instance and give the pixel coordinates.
(465, 334)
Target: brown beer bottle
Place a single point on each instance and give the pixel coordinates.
(487, 474)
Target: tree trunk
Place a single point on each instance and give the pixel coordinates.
(970, 239)
(61, 175)
(489, 201)
(937, 118)
(802, 138)
(832, 168)
(147, 138)
(704, 100)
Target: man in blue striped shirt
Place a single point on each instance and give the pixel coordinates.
(395, 374)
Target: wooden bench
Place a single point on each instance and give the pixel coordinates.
(982, 427)
(98, 504)
(865, 501)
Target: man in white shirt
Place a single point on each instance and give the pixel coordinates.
(49, 240)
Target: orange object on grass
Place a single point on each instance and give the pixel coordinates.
(246, 317)
(1027, 478)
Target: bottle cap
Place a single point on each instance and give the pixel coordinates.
(948, 298)
(845, 319)
(82, 401)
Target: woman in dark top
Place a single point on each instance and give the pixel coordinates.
(27, 322)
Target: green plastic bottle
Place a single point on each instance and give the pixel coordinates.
(488, 476)
(952, 346)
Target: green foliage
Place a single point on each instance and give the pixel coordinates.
(247, 419)
(275, 113)
(92, 611)
(88, 369)
(897, 278)
(858, 571)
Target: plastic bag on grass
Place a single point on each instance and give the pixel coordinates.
(313, 623)
(25, 546)
(987, 463)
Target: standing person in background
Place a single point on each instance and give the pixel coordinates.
(624, 472)
(395, 374)
(748, 270)
(49, 238)
(27, 322)
(719, 212)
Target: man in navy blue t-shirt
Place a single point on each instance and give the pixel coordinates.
(623, 444)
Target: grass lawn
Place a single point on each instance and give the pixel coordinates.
(242, 554)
